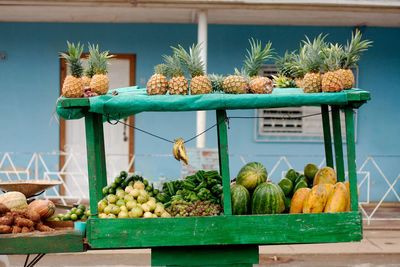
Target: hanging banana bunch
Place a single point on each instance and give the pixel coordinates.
(179, 151)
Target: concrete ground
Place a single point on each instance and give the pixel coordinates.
(378, 248)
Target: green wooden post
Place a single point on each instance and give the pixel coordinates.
(96, 159)
(224, 159)
(327, 136)
(351, 157)
(337, 138)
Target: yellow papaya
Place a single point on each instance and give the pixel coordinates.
(329, 188)
(296, 205)
(316, 199)
(337, 199)
(347, 184)
(326, 175)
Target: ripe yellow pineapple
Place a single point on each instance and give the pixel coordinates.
(178, 84)
(332, 79)
(257, 56)
(73, 85)
(158, 83)
(99, 83)
(352, 53)
(200, 83)
(235, 84)
(311, 60)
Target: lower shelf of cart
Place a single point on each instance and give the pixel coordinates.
(225, 230)
(42, 242)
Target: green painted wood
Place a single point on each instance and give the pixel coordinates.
(359, 95)
(224, 230)
(204, 255)
(337, 139)
(74, 102)
(43, 242)
(224, 160)
(96, 159)
(327, 135)
(351, 157)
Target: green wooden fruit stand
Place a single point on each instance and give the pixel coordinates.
(228, 239)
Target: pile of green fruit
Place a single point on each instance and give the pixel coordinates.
(79, 213)
(122, 181)
(199, 208)
(295, 180)
(203, 186)
(131, 202)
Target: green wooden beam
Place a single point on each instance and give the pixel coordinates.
(96, 159)
(224, 160)
(73, 102)
(351, 157)
(327, 136)
(337, 138)
(225, 230)
(205, 256)
(43, 242)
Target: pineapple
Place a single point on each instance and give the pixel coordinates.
(200, 83)
(178, 84)
(298, 71)
(252, 65)
(99, 83)
(158, 83)
(89, 72)
(332, 79)
(283, 82)
(236, 84)
(73, 85)
(352, 53)
(311, 60)
(216, 82)
(287, 70)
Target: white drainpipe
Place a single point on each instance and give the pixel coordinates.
(202, 38)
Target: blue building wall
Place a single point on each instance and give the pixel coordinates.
(29, 83)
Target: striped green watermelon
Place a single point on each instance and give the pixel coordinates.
(268, 198)
(251, 175)
(240, 199)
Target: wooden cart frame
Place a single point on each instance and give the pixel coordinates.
(226, 239)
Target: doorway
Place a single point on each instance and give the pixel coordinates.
(118, 139)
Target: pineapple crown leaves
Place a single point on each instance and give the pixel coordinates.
(161, 69)
(216, 82)
(333, 56)
(192, 60)
(283, 82)
(99, 60)
(311, 56)
(243, 73)
(73, 59)
(89, 72)
(353, 49)
(256, 56)
(174, 66)
(286, 64)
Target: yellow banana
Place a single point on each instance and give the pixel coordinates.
(179, 151)
(175, 150)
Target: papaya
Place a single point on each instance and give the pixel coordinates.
(296, 205)
(316, 200)
(337, 199)
(347, 184)
(326, 175)
(329, 188)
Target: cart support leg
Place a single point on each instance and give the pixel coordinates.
(218, 256)
(337, 137)
(224, 159)
(96, 159)
(327, 136)
(351, 157)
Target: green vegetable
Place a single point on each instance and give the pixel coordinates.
(189, 185)
(176, 198)
(163, 197)
(204, 194)
(123, 174)
(216, 190)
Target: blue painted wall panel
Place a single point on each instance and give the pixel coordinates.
(29, 83)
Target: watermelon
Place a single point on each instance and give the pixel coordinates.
(268, 198)
(240, 199)
(291, 175)
(300, 184)
(286, 186)
(251, 175)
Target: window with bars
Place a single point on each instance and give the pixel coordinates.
(295, 124)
